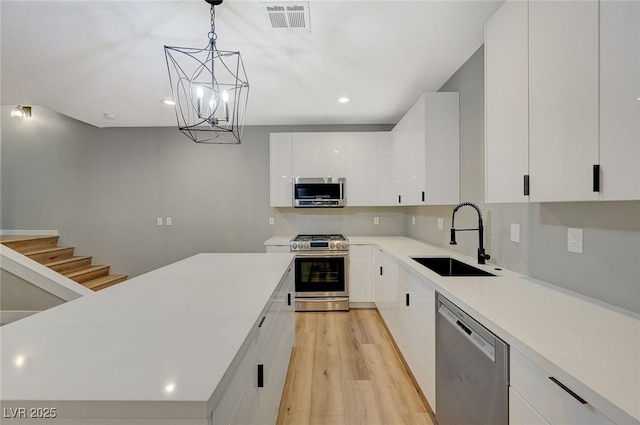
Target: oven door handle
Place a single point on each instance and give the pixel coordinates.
(322, 254)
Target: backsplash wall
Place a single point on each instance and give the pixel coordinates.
(608, 268)
(351, 221)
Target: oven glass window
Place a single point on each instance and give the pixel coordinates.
(320, 274)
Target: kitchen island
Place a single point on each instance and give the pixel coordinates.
(165, 347)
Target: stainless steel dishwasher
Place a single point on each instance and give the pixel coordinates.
(472, 370)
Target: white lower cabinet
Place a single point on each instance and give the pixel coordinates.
(252, 388)
(417, 330)
(407, 305)
(547, 397)
(360, 273)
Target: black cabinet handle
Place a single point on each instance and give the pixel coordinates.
(567, 389)
(596, 177)
(423, 196)
(289, 298)
(526, 185)
(380, 270)
(262, 321)
(407, 299)
(260, 376)
(399, 199)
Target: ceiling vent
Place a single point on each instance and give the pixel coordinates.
(288, 15)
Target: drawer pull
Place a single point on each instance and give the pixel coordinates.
(567, 389)
(262, 321)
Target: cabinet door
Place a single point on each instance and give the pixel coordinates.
(563, 99)
(386, 287)
(319, 155)
(520, 413)
(386, 193)
(413, 154)
(280, 161)
(441, 170)
(418, 330)
(506, 103)
(362, 169)
(398, 137)
(360, 273)
(619, 104)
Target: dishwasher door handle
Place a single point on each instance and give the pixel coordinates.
(464, 328)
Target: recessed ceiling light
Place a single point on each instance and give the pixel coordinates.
(169, 387)
(168, 102)
(110, 117)
(344, 99)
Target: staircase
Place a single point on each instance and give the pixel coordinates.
(45, 250)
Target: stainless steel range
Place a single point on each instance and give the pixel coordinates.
(321, 272)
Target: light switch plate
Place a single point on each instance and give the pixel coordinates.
(413, 220)
(440, 223)
(271, 221)
(515, 232)
(574, 240)
(168, 221)
(159, 221)
(376, 220)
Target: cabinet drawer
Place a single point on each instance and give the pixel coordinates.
(360, 250)
(555, 404)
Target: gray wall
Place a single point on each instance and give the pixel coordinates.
(17, 294)
(608, 269)
(104, 188)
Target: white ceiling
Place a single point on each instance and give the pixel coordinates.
(88, 58)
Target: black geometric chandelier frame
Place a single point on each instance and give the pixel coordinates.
(210, 90)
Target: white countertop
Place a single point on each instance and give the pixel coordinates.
(180, 326)
(583, 342)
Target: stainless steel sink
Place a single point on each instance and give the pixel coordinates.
(447, 266)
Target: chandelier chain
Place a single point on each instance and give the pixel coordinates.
(212, 34)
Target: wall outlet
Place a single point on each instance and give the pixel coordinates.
(413, 220)
(574, 240)
(376, 220)
(271, 221)
(159, 221)
(440, 223)
(515, 232)
(168, 221)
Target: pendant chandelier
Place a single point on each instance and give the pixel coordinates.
(210, 90)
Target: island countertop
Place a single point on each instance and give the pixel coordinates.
(167, 335)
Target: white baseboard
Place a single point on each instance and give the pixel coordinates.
(8, 316)
(29, 233)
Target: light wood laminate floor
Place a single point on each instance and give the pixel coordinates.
(345, 370)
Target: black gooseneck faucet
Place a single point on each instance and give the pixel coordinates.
(482, 256)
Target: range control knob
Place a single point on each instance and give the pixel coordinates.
(294, 245)
(344, 245)
(333, 245)
(306, 246)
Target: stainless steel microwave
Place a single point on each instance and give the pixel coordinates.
(319, 192)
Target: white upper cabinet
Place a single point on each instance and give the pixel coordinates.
(280, 161)
(362, 169)
(619, 99)
(425, 152)
(386, 193)
(319, 155)
(563, 99)
(506, 103)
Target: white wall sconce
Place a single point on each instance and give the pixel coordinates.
(21, 112)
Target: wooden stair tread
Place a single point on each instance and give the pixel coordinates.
(30, 243)
(88, 273)
(46, 250)
(20, 238)
(66, 260)
(105, 281)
